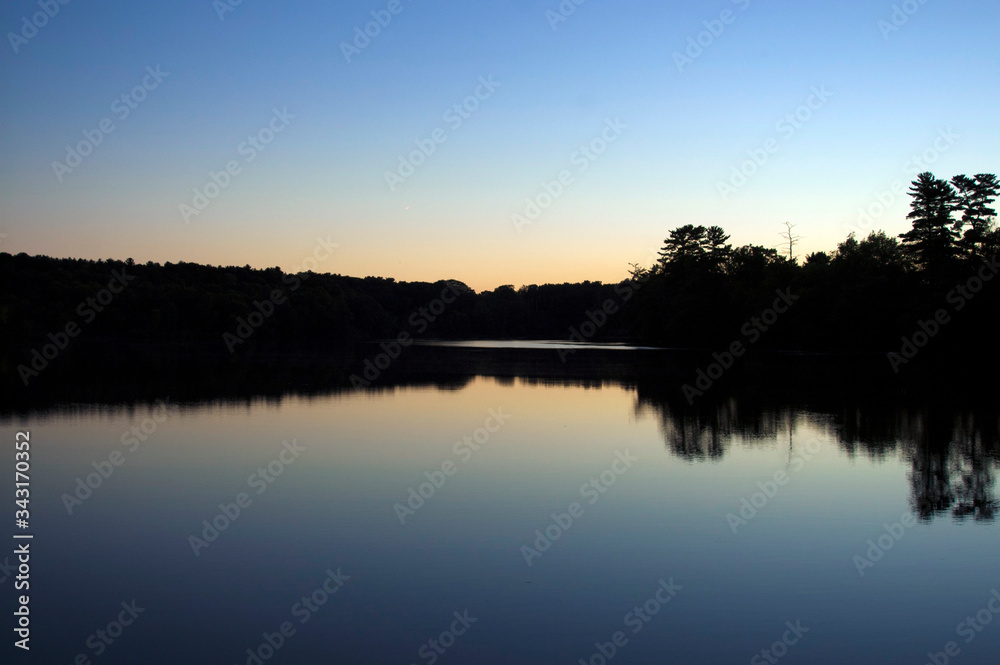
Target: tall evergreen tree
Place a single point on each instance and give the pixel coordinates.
(685, 244)
(932, 242)
(696, 245)
(716, 248)
(975, 196)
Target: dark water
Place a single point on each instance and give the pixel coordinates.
(844, 524)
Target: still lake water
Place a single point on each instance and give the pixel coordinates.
(868, 528)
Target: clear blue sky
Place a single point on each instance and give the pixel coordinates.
(323, 175)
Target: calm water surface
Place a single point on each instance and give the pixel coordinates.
(549, 514)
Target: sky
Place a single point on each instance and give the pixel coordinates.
(518, 142)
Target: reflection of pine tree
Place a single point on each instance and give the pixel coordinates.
(952, 470)
(974, 491)
(709, 433)
(953, 454)
(699, 436)
(972, 468)
(931, 482)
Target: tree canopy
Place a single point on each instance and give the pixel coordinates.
(700, 293)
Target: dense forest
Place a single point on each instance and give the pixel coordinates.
(930, 287)
(866, 295)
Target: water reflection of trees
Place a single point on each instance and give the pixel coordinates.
(953, 451)
(953, 446)
(954, 460)
(707, 434)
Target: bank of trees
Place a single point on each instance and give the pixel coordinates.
(938, 238)
(190, 307)
(861, 296)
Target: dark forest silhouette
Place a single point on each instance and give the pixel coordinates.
(866, 295)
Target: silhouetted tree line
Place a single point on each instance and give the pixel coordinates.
(865, 295)
(701, 293)
(190, 307)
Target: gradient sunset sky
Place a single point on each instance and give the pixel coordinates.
(881, 96)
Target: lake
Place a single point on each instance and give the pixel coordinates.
(476, 504)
